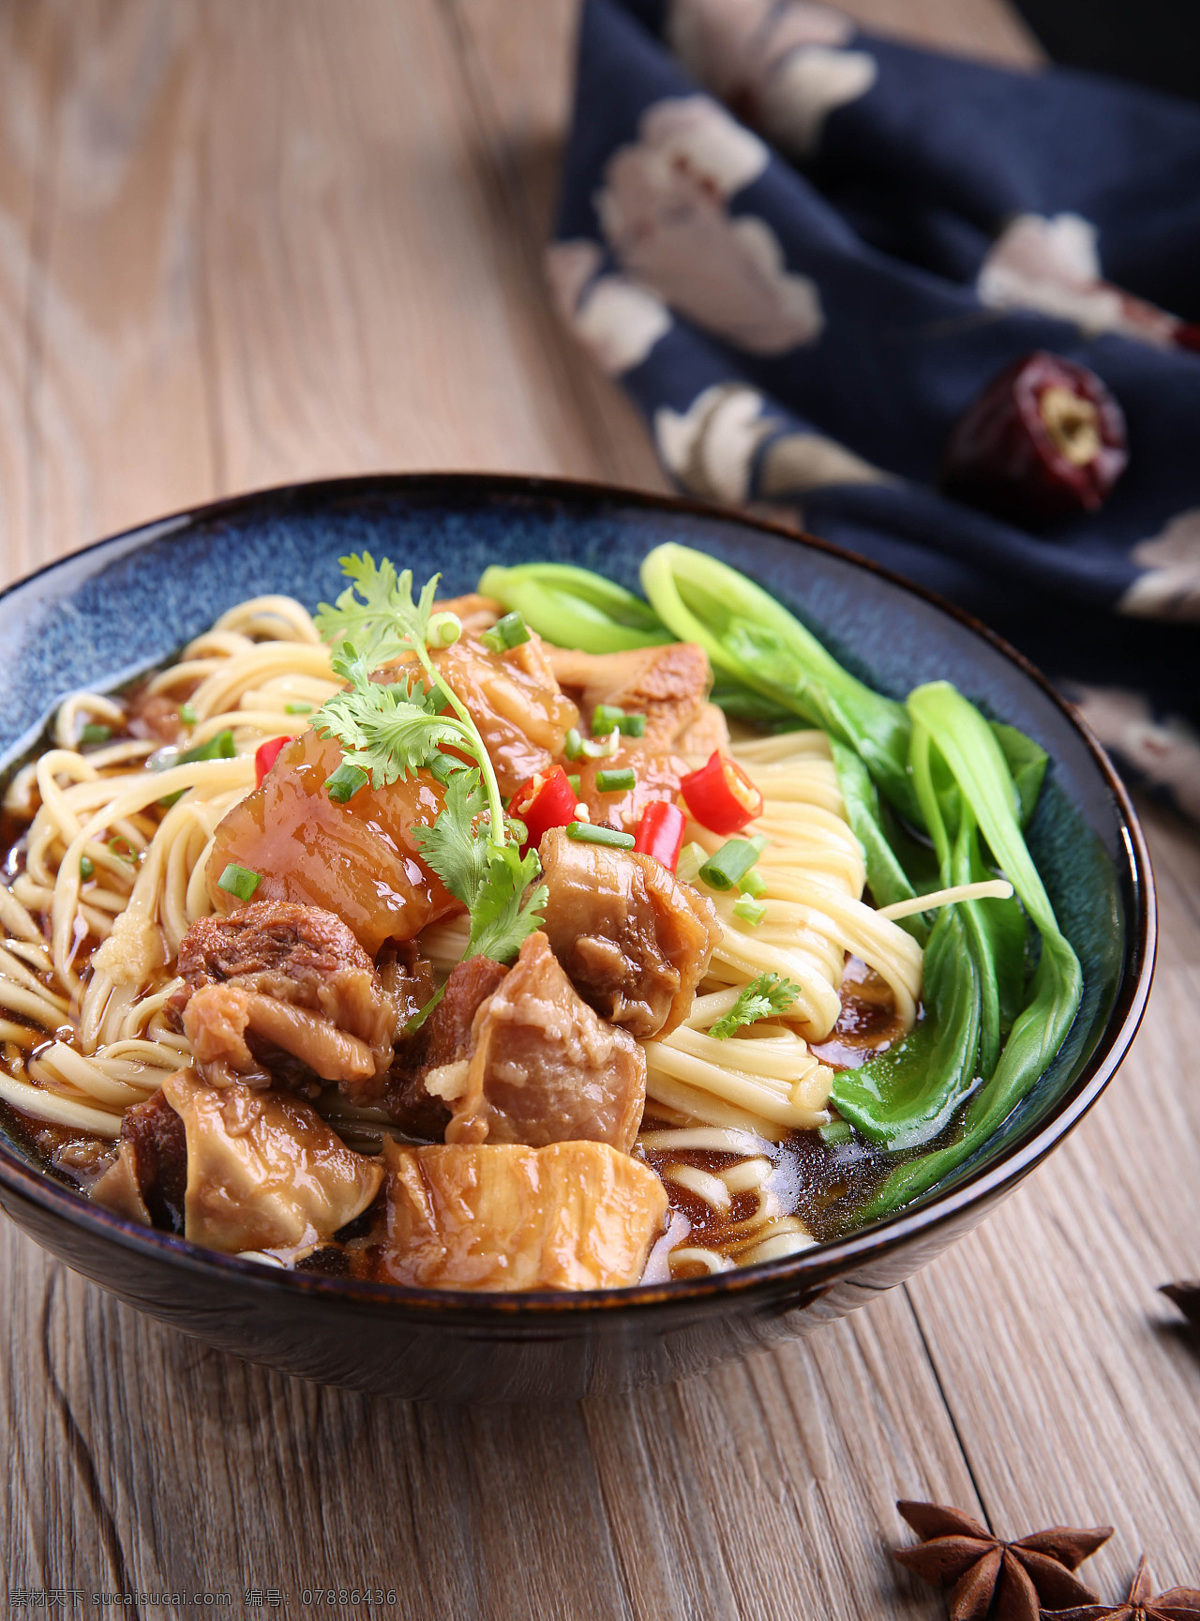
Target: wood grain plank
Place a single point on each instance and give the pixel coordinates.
(1074, 1399)
(117, 424)
(29, 65)
(518, 64)
(314, 248)
(369, 308)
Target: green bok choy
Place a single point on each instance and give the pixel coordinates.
(966, 785)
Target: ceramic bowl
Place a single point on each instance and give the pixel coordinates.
(103, 615)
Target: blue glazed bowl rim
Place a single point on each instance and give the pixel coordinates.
(804, 1276)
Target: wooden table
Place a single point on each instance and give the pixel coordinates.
(249, 241)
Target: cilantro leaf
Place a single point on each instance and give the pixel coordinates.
(452, 845)
(769, 993)
(392, 731)
(386, 622)
(490, 881)
(499, 922)
(388, 731)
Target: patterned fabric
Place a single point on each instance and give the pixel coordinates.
(804, 251)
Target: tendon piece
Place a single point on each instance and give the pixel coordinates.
(440, 1049)
(634, 940)
(219, 1019)
(514, 701)
(118, 1190)
(667, 684)
(296, 978)
(264, 1171)
(544, 1067)
(357, 859)
(505, 1217)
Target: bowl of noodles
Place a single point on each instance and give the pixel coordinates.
(492, 938)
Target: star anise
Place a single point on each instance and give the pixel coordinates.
(1179, 1604)
(1187, 1297)
(1008, 1581)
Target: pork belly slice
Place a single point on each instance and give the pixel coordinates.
(279, 978)
(669, 685)
(147, 1178)
(264, 1171)
(543, 1067)
(634, 940)
(570, 1215)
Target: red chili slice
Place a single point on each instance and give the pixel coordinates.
(660, 832)
(265, 756)
(544, 802)
(721, 796)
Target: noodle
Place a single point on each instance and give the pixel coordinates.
(120, 872)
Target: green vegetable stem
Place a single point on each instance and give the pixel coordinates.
(572, 607)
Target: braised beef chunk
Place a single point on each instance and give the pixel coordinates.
(264, 1170)
(502, 1216)
(514, 700)
(276, 978)
(634, 941)
(669, 685)
(407, 979)
(147, 1177)
(543, 1067)
(444, 1039)
(160, 1154)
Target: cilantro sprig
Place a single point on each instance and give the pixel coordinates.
(769, 993)
(489, 881)
(390, 731)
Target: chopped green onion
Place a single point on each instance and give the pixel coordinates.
(753, 884)
(602, 749)
(188, 715)
(692, 858)
(573, 779)
(239, 881)
(835, 1131)
(345, 782)
(444, 630)
(95, 732)
(732, 862)
(217, 748)
(573, 747)
(612, 782)
(123, 850)
(297, 709)
(585, 833)
(506, 633)
(607, 716)
(86, 867)
(442, 767)
(750, 911)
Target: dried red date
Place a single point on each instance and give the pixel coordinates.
(1044, 439)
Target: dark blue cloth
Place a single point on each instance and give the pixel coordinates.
(805, 250)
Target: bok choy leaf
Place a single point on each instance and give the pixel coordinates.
(754, 639)
(572, 607)
(975, 760)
